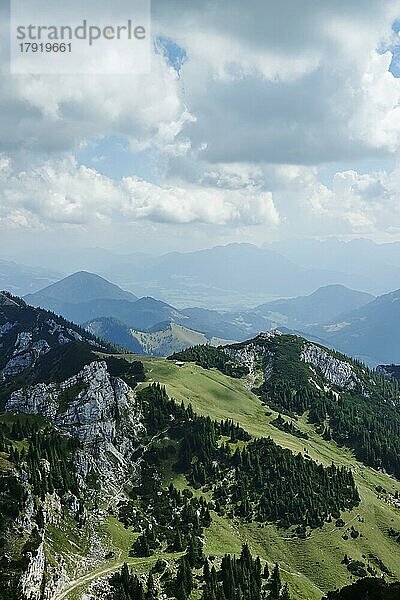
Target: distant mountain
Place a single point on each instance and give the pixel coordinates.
(80, 287)
(141, 314)
(351, 321)
(371, 333)
(373, 267)
(161, 340)
(225, 277)
(82, 297)
(20, 279)
(321, 306)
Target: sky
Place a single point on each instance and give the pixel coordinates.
(259, 121)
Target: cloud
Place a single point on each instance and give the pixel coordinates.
(268, 93)
(299, 82)
(245, 206)
(51, 113)
(352, 204)
(63, 192)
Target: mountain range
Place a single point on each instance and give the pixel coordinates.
(269, 465)
(228, 277)
(224, 277)
(120, 317)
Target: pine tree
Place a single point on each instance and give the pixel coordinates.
(275, 583)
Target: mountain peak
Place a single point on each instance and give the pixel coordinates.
(81, 286)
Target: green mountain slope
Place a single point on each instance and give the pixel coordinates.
(101, 468)
(161, 339)
(314, 565)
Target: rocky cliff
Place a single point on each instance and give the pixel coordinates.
(336, 371)
(95, 408)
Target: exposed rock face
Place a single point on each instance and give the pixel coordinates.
(38, 569)
(251, 353)
(57, 579)
(23, 341)
(26, 334)
(6, 327)
(101, 412)
(40, 399)
(97, 409)
(18, 364)
(25, 352)
(338, 372)
(32, 578)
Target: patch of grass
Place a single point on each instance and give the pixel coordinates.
(68, 540)
(117, 537)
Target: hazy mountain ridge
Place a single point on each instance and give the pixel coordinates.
(120, 311)
(375, 266)
(228, 273)
(243, 274)
(20, 279)
(370, 333)
(319, 307)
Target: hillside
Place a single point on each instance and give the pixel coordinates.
(160, 340)
(321, 306)
(172, 338)
(100, 468)
(370, 333)
(315, 563)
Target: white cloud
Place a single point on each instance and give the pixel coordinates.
(50, 113)
(269, 92)
(63, 192)
(354, 203)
